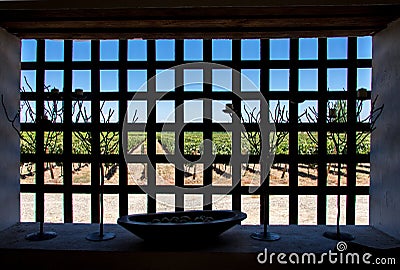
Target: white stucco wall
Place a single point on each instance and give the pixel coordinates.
(385, 141)
(9, 140)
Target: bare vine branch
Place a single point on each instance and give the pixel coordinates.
(11, 119)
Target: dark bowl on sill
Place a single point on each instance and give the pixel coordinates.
(195, 225)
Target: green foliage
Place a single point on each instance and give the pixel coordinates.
(307, 146)
(135, 139)
(167, 140)
(364, 145)
(53, 142)
(222, 143)
(193, 143)
(251, 143)
(109, 142)
(283, 145)
(81, 143)
(28, 142)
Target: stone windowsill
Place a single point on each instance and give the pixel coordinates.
(233, 248)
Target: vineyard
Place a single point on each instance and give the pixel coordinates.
(193, 175)
(82, 143)
(166, 142)
(137, 144)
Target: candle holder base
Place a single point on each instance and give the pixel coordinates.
(96, 236)
(339, 236)
(269, 236)
(40, 236)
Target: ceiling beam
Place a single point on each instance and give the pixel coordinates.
(205, 22)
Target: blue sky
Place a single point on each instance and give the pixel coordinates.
(221, 50)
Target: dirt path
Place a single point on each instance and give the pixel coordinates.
(279, 176)
(137, 171)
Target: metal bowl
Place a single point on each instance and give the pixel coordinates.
(184, 225)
